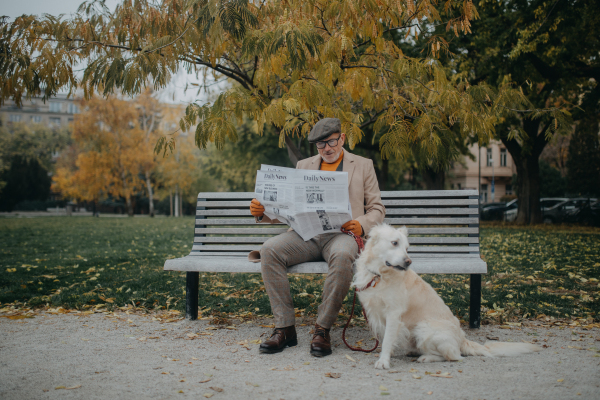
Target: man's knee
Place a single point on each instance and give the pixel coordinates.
(271, 251)
(343, 255)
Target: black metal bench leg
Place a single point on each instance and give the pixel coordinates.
(191, 295)
(475, 303)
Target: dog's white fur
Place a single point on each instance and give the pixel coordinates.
(406, 311)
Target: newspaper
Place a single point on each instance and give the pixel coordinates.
(311, 202)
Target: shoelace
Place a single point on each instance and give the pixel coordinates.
(320, 332)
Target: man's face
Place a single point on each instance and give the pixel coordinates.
(330, 154)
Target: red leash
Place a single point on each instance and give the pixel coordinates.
(374, 281)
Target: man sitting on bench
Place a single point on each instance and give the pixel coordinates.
(338, 249)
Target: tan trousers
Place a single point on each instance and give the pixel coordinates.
(288, 249)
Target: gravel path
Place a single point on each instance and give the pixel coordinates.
(111, 356)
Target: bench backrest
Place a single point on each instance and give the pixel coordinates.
(441, 223)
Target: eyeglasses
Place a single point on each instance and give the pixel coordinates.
(331, 143)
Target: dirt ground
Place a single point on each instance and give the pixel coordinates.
(119, 355)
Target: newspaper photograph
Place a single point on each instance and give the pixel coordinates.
(311, 202)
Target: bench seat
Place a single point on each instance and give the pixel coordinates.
(443, 228)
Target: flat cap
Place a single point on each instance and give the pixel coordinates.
(324, 128)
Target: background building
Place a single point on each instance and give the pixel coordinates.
(56, 112)
(497, 166)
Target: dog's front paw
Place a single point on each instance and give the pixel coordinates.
(382, 363)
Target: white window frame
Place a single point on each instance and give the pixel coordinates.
(55, 106)
(503, 157)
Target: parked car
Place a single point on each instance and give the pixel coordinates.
(573, 210)
(492, 211)
(510, 214)
(545, 203)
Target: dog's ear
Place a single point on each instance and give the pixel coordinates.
(404, 230)
(374, 234)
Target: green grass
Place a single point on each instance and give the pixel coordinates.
(87, 263)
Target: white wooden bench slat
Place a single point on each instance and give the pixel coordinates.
(389, 211)
(387, 203)
(238, 264)
(262, 239)
(392, 221)
(268, 230)
(244, 254)
(384, 195)
(411, 249)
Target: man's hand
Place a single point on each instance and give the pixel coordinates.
(257, 209)
(354, 227)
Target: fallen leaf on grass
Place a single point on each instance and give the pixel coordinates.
(559, 380)
(165, 373)
(382, 388)
(251, 384)
(412, 370)
(234, 350)
(416, 376)
(307, 363)
(257, 341)
(143, 339)
(183, 380)
(208, 395)
(204, 381)
(216, 389)
(60, 387)
(429, 392)
(333, 375)
(350, 358)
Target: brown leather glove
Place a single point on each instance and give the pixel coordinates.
(354, 227)
(257, 209)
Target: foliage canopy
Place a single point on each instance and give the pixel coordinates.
(293, 62)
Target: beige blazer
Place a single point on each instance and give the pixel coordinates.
(365, 197)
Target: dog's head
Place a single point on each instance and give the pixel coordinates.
(390, 245)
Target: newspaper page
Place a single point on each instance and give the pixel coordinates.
(311, 202)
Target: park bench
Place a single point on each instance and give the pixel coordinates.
(443, 228)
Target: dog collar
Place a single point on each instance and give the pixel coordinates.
(372, 283)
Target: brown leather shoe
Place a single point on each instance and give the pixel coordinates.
(280, 338)
(321, 342)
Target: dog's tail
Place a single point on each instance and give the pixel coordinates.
(497, 349)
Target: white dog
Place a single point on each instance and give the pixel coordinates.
(406, 312)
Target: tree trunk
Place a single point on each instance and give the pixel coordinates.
(129, 205)
(170, 202)
(528, 186)
(434, 179)
(150, 195)
(526, 157)
(181, 204)
(293, 152)
(383, 175)
(176, 200)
